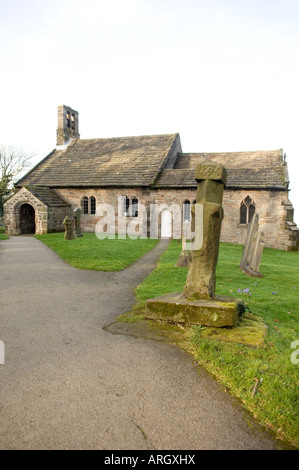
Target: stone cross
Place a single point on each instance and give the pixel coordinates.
(253, 249)
(198, 304)
(69, 232)
(201, 278)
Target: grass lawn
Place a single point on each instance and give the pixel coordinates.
(274, 297)
(88, 252)
(2, 234)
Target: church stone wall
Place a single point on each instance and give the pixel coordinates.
(104, 196)
(273, 207)
(56, 216)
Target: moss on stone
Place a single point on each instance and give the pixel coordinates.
(250, 331)
(176, 308)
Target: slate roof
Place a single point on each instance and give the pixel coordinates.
(151, 161)
(247, 170)
(252, 159)
(120, 161)
(48, 196)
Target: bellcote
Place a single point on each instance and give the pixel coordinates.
(67, 125)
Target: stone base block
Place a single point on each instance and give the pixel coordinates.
(218, 312)
(250, 272)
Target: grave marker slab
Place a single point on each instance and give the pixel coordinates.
(77, 222)
(183, 259)
(253, 249)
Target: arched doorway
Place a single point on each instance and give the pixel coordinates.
(27, 219)
(166, 224)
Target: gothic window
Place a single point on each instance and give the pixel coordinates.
(134, 207)
(247, 209)
(92, 205)
(73, 121)
(243, 213)
(186, 211)
(84, 205)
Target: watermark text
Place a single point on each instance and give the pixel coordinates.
(157, 220)
(295, 354)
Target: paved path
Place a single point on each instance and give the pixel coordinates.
(69, 384)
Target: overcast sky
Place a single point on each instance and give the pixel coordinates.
(222, 73)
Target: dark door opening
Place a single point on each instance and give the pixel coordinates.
(27, 219)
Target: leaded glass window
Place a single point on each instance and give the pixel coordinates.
(247, 209)
(84, 204)
(92, 205)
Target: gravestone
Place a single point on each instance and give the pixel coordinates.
(253, 249)
(183, 259)
(69, 231)
(77, 222)
(198, 304)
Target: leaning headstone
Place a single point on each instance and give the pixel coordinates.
(198, 304)
(77, 222)
(253, 249)
(69, 232)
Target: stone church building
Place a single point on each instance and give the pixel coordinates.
(148, 170)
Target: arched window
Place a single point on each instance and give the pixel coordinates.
(186, 211)
(68, 119)
(134, 207)
(84, 205)
(247, 209)
(243, 213)
(92, 205)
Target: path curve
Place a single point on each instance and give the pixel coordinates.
(69, 384)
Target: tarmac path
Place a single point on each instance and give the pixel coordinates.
(69, 384)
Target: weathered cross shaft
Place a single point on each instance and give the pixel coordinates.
(198, 304)
(201, 278)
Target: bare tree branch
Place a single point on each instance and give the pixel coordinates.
(13, 162)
